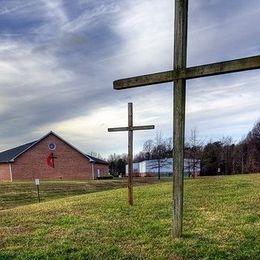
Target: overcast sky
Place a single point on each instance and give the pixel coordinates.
(58, 60)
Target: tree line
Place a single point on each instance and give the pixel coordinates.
(216, 157)
(227, 157)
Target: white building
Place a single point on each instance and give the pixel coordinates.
(164, 167)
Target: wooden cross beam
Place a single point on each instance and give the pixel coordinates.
(179, 75)
(130, 130)
(212, 69)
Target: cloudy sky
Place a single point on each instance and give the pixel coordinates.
(58, 59)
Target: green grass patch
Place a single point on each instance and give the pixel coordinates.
(221, 221)
(24, 193)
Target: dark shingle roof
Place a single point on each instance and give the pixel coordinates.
(96, 160)
(10, 154)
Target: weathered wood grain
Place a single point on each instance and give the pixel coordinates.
(130, 128)
(179, 75)
(180, 59)
(133, 128)
(213, 69)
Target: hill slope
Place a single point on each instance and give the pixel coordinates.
(221, 221)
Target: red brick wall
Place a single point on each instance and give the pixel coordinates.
(4, 172)
(102, 169)
(69, 165)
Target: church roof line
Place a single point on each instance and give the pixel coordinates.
(8, 156)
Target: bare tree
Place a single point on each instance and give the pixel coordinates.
(252, 142)
(148, 148)
(117, 164)
(161, 151)
(240, 157)
(228, 155)
(194, 148)
(97, 155)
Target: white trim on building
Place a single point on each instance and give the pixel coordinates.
(151, 167)
(10, 172)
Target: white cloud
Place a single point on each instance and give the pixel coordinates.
(224, 105)
(17, 7)
(145, 28)
(89, 16)
(55, 11)
(59, 75)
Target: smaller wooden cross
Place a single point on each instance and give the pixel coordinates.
(130, 130)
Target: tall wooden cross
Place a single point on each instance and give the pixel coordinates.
(179, 75)
(130, 130)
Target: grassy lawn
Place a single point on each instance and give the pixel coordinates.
(222, 221)
(24, 193)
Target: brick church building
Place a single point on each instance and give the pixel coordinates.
(49, 158)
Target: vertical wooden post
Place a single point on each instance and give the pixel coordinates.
(180, 58)
(179, 75)
(37, 183)
(130, 128)
(130, 153)
(38, 193)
